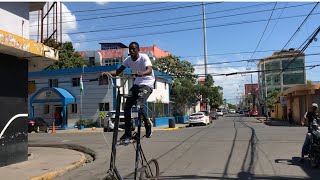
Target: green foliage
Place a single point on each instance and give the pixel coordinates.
(68, 57)
(86, 122)
(232, 106)
(102, 115)
(173, 66)
(271, 97)
(309, 82)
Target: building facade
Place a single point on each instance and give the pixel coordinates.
(281, 71)
(59, 91)
(115, 53)
(19, 55)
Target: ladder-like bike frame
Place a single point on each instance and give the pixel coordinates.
(148, 169)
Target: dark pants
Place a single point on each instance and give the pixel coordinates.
(138, 95)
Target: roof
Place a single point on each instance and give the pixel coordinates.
(64, 96)
(95, 69)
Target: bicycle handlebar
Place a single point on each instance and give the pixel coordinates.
(109, 76)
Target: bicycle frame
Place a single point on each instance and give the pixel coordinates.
(113, 171)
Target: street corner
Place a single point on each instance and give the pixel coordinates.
(58, 172)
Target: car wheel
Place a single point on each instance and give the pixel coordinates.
(190, 125)
(29, 131)
(38, 129)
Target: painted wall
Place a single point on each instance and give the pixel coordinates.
(15, 18)
(13, 100)
(93, 92)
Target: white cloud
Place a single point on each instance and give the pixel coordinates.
(102, 2)
(232, 85)
(67, 16)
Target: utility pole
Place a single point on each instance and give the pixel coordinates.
(266, 93)
(204, 37)
(252, 93)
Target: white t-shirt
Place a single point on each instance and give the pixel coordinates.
(140, 65)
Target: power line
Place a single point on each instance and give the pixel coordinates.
(109, 8)
(187, 29)
(146, 11)
(247, 60)
(300, 26)
(126, 27)
(264, 31)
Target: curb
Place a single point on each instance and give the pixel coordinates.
(55, 173)
(101, 130)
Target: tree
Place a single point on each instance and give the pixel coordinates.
(309, 82)
(68, 57)
(271, 97)
(173, 66)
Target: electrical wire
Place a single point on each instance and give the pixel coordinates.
(186, 29)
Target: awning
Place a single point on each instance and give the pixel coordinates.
(52, 94)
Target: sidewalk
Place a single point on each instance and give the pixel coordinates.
(99, 130)
(44, 163)
(274, 122)
(48, 163)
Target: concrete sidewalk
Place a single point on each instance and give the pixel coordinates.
(48, 163)
(44, 163)
(99, 130)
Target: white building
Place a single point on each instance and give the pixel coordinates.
(59, 90)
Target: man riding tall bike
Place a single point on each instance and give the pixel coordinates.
(143, 85)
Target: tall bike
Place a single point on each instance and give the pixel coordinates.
(147, 169)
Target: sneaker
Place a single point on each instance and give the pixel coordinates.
(148, 131)
(301, 160)
(125, 136)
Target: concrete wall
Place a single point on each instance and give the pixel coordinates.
(15, 18)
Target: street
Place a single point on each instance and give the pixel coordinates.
(232, 147)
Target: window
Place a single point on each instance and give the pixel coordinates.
(75, 82)
(46, 109)
(291, 65)
(74, 108)
(103, 81)
(104, 107)
(294, 78)
(91, 61)
(53, 83)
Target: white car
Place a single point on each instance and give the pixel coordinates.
(232, 111)
(199, 118)
(219, 112)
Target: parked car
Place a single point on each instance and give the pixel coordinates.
(225, 111)
(241, 112)
(199, 118)
(112, 115)
(37, 124)
(232, 111)
(253, 113)
(219, 112)
(207, 114)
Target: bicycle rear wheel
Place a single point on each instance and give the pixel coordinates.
(150, 171)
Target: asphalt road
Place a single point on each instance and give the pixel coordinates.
(232, 147)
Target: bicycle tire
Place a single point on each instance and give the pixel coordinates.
(150, 171)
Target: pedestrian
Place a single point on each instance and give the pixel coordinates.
(290, 117)
(56, 117)
(312, 120)
(143, 85)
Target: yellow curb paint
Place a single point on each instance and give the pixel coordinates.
(58, 172)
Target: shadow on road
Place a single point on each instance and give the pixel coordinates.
(313, 173)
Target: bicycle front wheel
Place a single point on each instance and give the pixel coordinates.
(150, 171)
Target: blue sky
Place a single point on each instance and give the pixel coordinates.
(179, 30)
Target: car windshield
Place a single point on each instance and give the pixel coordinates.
(197, 114)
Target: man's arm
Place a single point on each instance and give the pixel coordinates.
(115, 72)
(148, 71)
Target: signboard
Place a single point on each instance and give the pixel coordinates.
(283, 100)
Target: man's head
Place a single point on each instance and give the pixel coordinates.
(134, 50)
(314, 106)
